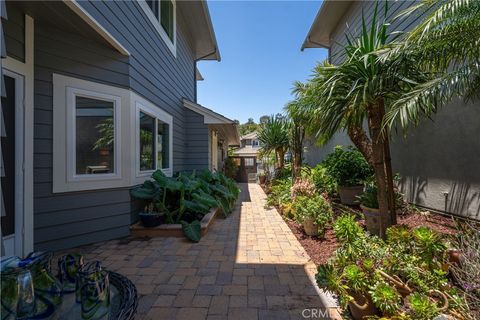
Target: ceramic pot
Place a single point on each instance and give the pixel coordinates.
(310, 227)
(262, 179)
(348, 195)
(151, 220)
(372, 219)
(362, 307)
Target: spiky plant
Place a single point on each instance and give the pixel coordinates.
(447, 45)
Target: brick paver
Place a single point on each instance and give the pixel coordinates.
(248, 266)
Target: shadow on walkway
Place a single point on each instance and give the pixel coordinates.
(248, 266)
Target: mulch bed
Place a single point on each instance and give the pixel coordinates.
(321, 249)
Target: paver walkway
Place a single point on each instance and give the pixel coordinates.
(248, 266)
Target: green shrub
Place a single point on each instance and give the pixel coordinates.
(322, 180)
(347, 167)
(279, 192)
(315, 207)
(231, 168)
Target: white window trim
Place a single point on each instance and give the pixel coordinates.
(172, 45)
(64, 179)
(26, 69)
(147, 107)
(126, 145)
(72, 176)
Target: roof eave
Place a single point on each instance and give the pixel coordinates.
(325, 23)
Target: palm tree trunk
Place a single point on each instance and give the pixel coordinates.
(389, 174)
(375, 117)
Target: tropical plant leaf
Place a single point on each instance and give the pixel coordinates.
(192, 231)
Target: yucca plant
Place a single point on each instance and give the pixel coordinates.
(273, 135)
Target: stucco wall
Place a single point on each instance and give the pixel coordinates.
(440, 156)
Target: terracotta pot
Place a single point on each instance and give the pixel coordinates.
(310, 227)
(372, 219)
(362, 307)
(262, 179)
(454, 256)
(348, 195)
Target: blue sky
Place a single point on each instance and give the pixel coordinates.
(260, 47)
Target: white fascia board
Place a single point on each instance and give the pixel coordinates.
(82, 13)
(209, 116)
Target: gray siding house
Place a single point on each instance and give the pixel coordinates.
(96, 95)
(440, 159)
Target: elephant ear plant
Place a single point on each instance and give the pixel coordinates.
(187, 198)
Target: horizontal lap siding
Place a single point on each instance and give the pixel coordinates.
(69, 219)
(440, 155)
(197, 142)
(76, 218)
(14, 31)
(155, 73)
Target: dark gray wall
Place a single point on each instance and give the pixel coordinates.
(197, 141)
(440, 156)
(76, 218)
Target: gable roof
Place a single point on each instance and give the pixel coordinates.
(227, 126)
(251, 135)
(325, 23)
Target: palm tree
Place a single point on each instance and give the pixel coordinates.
(273, 135)
(296, 135)
(447, 45)
(359, 91)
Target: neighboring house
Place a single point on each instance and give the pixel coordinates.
(96, 95)
(247, 157)
(439, 160)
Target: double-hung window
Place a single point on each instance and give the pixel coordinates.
(162, 14)
(153, 139)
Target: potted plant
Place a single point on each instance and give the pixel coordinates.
(313, 213)
(369, 205)
(349, 169)
(150, 217)
(262, 178)
(155, 191)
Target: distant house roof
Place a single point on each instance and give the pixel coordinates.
(251, 135)
(226, 126)
(325, 23)
(247, 151)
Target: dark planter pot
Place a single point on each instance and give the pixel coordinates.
(262, 179)
(348, 195)
(151, 220)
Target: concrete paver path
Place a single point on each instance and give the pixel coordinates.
(248, 266)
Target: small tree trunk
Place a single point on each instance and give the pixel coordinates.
(297, 150)
(281, 158)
